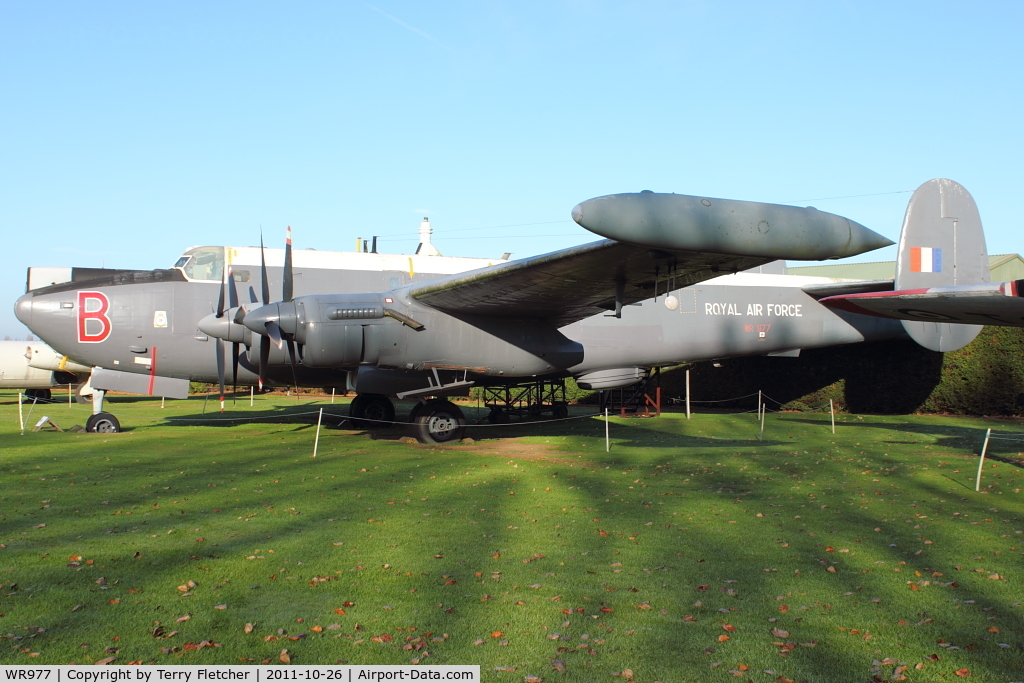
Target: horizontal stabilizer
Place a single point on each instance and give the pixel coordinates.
(992, 303)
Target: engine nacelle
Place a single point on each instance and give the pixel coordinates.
(278, 356)
(332, 345)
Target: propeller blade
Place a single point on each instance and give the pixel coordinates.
(274, 332)
(286, 283)
(264, 360)
(234, 369)
(220, 299)
(263, 271)
(232, 291)
(291, 357)
(220, 370)
(252, 296)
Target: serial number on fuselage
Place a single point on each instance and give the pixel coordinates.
(763, 310)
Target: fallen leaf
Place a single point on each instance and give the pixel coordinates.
(284, 657)
(780, 633)
(963, 673)
(558, 665)
(722, 638)
(248, 628)
(105, 661)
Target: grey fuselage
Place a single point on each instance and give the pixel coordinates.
(153, 318)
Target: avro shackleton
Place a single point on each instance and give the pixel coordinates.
(678, 278)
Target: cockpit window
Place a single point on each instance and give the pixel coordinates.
(202, 263)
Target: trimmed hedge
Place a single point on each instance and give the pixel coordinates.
(896, 377)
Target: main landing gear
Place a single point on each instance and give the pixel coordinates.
(371, 411)
(433, 421)
(437, 421)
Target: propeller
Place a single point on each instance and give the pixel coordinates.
(273, 322)
(227, 283)
(271, 328)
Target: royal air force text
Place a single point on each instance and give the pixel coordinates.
(769, 310)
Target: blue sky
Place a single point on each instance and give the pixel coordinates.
(132, 131)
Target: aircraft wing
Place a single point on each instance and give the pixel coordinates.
(576, 283)
(991, 303)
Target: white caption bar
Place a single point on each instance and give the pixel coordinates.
(195, 673)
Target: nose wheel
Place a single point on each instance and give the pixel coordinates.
(102, 423)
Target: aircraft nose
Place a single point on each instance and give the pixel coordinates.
(23, 310)
(577, 213)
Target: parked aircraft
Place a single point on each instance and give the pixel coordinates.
(531, 318)
(653, 295)
(36, 368)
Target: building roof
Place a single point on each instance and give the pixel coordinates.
(1002, 267)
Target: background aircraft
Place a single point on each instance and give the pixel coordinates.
(602, 312)
(36, 368)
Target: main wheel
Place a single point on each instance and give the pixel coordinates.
(439, 422)
(102, 423)
(371, 411)
(497, 416)
(39, 395)
(560, 411)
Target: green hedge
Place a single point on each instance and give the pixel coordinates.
(897, 377)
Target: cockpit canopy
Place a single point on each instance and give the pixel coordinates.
(202, 264)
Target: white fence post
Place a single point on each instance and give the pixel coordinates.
(21, 418)
(832, 411)
(687, 393)
(981, 460)
(607, 438)
(316, 442)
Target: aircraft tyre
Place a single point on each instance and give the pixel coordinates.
(39, 395)
(560, 411)
(497, 416)
(102, 423)
(371, 411)
(438, 422)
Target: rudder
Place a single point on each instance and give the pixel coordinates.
(942, 244)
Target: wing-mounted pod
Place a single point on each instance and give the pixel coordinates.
(942, 244)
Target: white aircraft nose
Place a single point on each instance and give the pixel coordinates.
(23, 310)
(577, 213)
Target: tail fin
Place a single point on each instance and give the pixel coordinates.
(942, 244)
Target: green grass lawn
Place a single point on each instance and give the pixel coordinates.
(692, 551)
